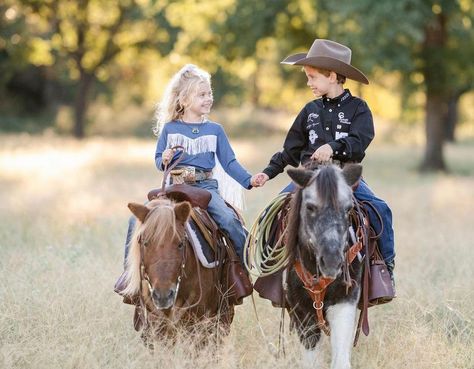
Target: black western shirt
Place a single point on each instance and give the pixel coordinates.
(345, 123)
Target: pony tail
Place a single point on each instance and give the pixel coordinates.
(177, 95)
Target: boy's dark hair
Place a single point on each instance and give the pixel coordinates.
(340, 78)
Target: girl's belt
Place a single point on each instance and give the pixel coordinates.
(189, 175)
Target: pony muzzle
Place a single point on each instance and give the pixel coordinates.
(330, 264)
(164, 298)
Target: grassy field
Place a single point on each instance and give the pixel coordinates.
(63, 219)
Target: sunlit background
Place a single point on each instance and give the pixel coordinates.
(79, 81)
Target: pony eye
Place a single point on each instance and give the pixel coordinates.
(180, 245)
(145, 243)
(311, 208)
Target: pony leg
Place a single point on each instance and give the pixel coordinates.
(341, 318)
(310, 337)
(313, 357)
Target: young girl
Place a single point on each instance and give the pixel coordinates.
(182, 120)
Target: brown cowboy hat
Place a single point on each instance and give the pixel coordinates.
(330, 55)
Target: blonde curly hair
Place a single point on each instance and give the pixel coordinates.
(179, 94)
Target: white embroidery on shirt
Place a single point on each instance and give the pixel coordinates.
(341, 135)
(312, 117)
(312, 135)
(343, 120)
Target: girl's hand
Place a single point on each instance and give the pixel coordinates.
(167, 156)
(323, 154)
(259, 179)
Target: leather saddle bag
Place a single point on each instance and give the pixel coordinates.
(238, 283)
(380, 285)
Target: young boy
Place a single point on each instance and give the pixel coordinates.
(337, 125)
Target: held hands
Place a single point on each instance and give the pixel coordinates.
(323, 154)
(258, 180)
(167, 156)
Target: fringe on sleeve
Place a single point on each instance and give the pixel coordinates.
(230, 190)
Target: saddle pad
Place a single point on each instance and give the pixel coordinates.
(200, 246)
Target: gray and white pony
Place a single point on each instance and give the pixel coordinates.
(318, 239)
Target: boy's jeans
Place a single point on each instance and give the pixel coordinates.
(386, 240)
(219, 211)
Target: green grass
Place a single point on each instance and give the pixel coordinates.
(63, 219)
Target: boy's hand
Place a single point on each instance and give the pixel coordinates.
(167, 156)
(323, 154)
(259, 179)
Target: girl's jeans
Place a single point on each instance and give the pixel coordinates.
(386, 240)
(219, 211)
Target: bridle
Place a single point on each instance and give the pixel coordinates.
(145, 280)
(144, 275)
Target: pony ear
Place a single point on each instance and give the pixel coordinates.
(139, 210)
(182, 211)
(300, 176)
(352, 173)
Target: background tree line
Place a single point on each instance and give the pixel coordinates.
(56, 53)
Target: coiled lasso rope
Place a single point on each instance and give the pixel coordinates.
(260, 258)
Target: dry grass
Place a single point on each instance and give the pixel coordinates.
(63, 217)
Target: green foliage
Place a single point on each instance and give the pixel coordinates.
(131, 47)
(391, 35)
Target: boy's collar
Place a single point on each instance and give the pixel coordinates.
(337, 100)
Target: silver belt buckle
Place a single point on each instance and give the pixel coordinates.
(189, 174)
(183, 175)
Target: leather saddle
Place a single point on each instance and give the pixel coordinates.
(197, 197)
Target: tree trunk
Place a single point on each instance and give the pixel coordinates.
(437, 93)
(435, 116)
(81, 103)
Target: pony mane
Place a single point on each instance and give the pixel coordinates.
(293, 225)
(327, 187)
(159, 226)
